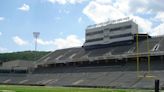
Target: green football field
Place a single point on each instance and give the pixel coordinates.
(14, 88)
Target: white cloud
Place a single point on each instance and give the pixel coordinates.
(60, 43)
(160, 16)
(69, 41)
(66, 1)
(122, 6)
(0, 33)
(100, 12)
(159, 30)
(2, 18)
(142, 11)
(19, 41)
(4, 50)
(44, 42)
(139, 6)
(80, 19)
(145, 26)
(24, 7)
(104, 1)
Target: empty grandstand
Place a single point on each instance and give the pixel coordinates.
(17, 66)
(114, 55)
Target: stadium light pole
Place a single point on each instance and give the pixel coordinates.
(36, 35)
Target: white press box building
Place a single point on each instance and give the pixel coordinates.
(110, 32)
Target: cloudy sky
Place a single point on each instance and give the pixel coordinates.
(62, 23)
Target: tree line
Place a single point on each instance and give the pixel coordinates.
(24, 55)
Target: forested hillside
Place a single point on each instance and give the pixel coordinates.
(25, 55)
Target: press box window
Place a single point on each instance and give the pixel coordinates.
(93, 40)
(121, 35)
(94, 33)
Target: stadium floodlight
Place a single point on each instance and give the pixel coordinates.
(36, 35)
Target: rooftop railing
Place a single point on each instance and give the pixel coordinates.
(109, 22)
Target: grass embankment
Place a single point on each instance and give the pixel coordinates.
(15, 88)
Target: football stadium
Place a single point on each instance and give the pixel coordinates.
(114, 56)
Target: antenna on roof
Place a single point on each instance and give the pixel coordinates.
(36, 35)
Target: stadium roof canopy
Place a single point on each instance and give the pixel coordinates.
(79, 54)
(113, 40)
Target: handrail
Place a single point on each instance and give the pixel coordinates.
(109, 22)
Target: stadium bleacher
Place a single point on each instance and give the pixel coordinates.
(107, 76)
(112, 65)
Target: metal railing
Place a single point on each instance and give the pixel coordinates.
(109, 22)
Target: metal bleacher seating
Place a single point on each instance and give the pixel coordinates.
(109, 74)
